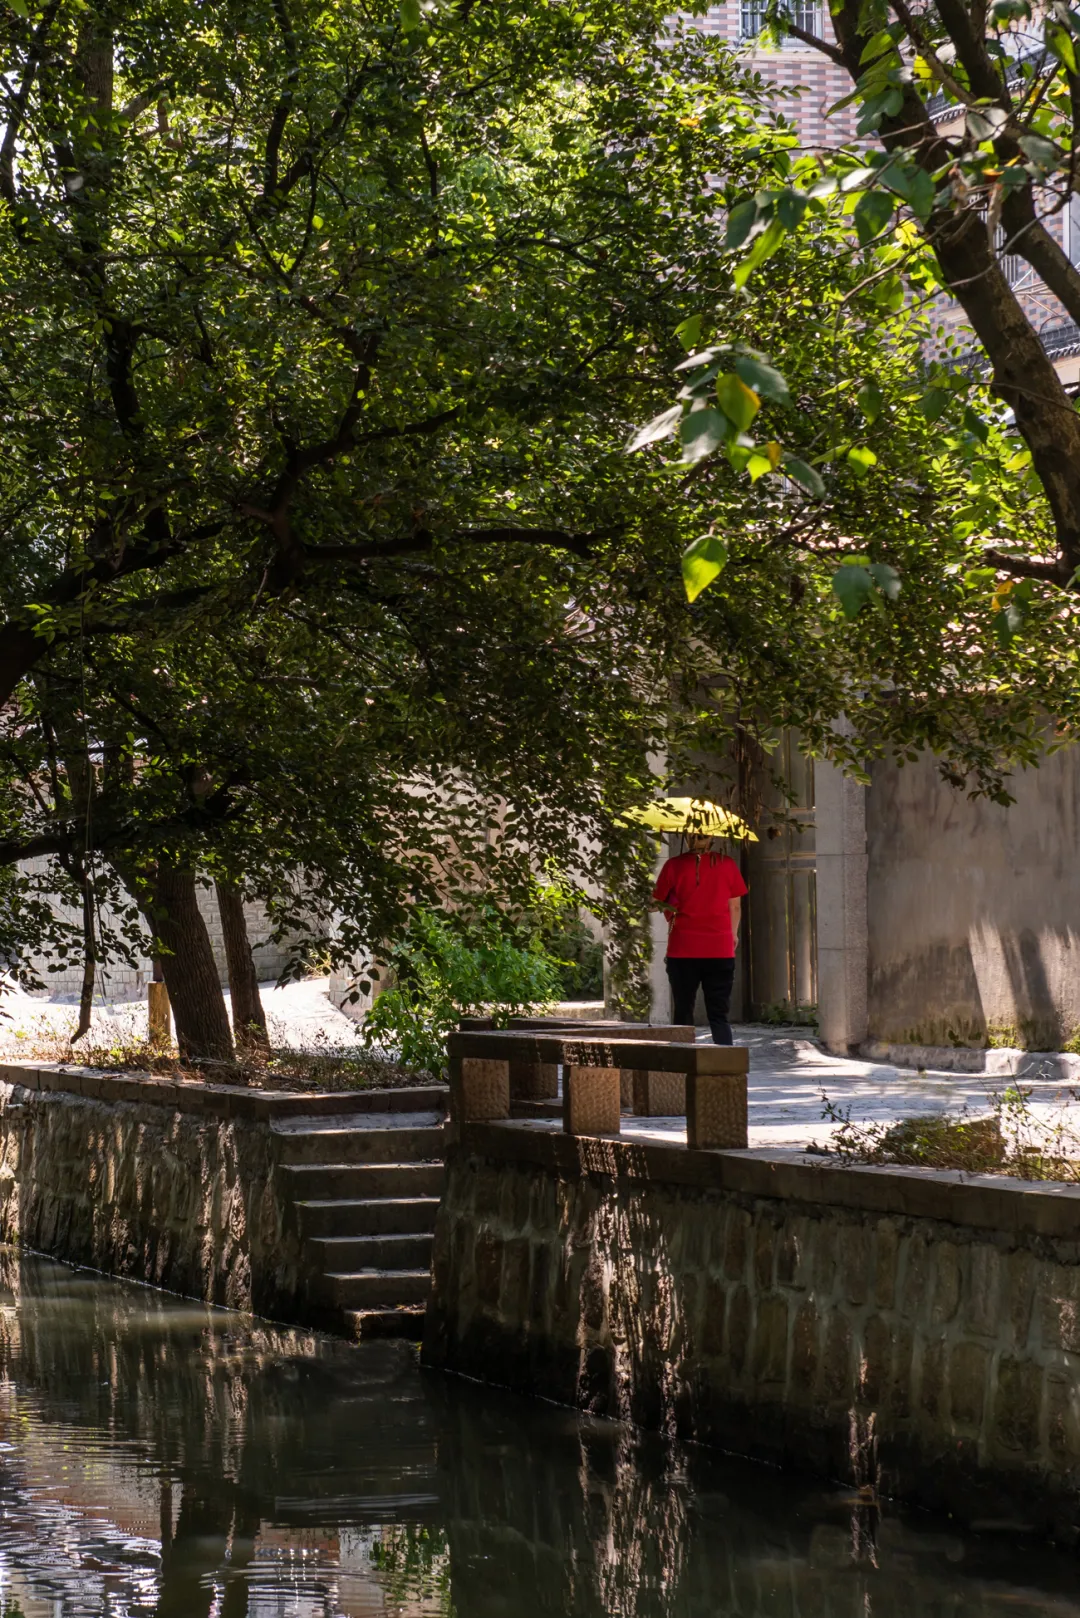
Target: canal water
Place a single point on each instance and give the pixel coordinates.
(161, 1458)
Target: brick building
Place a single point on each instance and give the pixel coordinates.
(819, 84)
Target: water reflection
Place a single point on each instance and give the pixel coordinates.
(161, 1459)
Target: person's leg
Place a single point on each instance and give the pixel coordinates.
(717, 978)
(684, 977)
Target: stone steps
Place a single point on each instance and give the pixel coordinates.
(363, 1181)
(407, 1321)
(367, 1216)
(405, 1251)
(390, 1137)
(367, 1289)
(365, 1190)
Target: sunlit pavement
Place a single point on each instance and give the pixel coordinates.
(789, 1072)
(299, 1016)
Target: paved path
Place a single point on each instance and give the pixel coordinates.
(789, 1072)
(299, 1015)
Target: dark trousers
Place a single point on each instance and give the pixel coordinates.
(715, 976)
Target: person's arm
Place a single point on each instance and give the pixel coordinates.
(735, 908)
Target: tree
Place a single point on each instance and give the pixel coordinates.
(322, 334)
(965, 155)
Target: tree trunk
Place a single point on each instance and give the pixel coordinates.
(189, 968)
(248, 1017)
(86, 995)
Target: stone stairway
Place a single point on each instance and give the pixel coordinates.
(365, 1189)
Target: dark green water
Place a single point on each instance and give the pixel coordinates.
(157, 1457)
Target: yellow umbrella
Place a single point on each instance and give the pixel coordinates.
(696, 816)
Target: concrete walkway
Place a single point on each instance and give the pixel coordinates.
(299, 1016)
(789, 1071)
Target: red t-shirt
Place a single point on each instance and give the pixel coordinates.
(698, 886)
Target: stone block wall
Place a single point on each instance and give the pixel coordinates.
(180, 1199)
(854, 1332)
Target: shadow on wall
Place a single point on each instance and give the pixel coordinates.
(973, 908)
(994, 990)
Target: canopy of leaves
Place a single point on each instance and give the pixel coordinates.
(321, 332)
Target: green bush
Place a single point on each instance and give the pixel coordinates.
(448, 967)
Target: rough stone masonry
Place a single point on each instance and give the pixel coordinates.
(911, 1333)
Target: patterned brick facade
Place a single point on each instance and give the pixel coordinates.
(796, 67)
(820, 85)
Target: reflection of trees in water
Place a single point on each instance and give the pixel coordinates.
(545, 1514)
(245, 1424)
(460, 1499)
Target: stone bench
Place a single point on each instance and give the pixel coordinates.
(710, 1080)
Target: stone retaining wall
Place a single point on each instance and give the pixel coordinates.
(167, 1181)
(912, 1333)
(177, 1199)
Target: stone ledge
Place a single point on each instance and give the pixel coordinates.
(1002, 1062)
(217, 1100)
(980, 1201)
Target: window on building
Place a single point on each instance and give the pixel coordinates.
(805, 14)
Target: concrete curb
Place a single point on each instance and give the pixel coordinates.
(1002, 1063)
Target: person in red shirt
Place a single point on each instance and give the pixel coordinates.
(700, 893)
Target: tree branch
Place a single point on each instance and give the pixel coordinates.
(1028, 567)
(280, 117)
(18, 110)
(825, 46)
(423, 541)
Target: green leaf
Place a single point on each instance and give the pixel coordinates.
(661, 426)
(886, 578)
(790, 207)
(861, 459)
(701, 432)
(873, 211)
(738, 402)
(933, 403)
(1043, 153)
(913, 184)
(702, 562)
(763, 248)
(689, 332)
(976, 425)
(986, 122)
(18, 7)
(409, 11)
(870, 401)
(804, 475)
(741, 221)
(854, 586)
(765, 379)
(1007, 623)
(885, 104)
(1011, 11)
(877, 46)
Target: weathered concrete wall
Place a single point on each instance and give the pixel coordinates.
(974, 909)
(778, 1310)
(180, 1200)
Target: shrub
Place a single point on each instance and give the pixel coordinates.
(447, 967)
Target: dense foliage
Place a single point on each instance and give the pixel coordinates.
(322, 332)
(322, 335)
